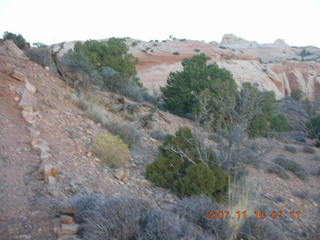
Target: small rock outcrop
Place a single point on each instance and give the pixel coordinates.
(232, 41)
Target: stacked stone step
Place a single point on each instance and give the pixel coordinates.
(65, 226)
(28, 103)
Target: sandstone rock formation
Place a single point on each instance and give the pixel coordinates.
(275, 66)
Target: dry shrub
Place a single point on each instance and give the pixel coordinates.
(292, 166)
(111, 150)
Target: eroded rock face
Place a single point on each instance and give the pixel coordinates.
(232, 41)
(275, 67)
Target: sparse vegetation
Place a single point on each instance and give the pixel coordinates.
(194, 209)
(18, 40)
(159, 135)
(313, 128)
(131, 218)
(308, 149)
(86, 66)
(196, 50)
(279, 171)
(292, 166)
(40, 55)
(262, 229)
(290, 149)
(297, 95)
(39, 45)
(111, 150)
(128, 133)
(176, 53)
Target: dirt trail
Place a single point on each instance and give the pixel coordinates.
(21, 189)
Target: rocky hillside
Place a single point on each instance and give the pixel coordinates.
(46, 142)
(277, 66)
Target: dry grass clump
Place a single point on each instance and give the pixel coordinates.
(292, 166)
(290, 149)
(279, 171)
(128, 133)
(111, 150)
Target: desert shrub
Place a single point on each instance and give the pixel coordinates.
(200, 179)
(292, 166)
(279, 171)
(300, 194)
(79, 67)
(263, 104)
(297, 95)
(134, 44)
(279, 198)
(196, 50)
(180, 93)
(295, 113)
(18, 40)
(195, 208)
(290, 149)
(109, 79)
(111, 218)
(316, 158)
(261, 229)
(166, 225)
(159, 135)
(278, 122)
(40, 55)
(96, 113)
(128, 133)
(111, 150)
(129, 218)
(313, 127)
(176, 53)
(310, 150)
(39, 45)
(112, 53)
(186, 167)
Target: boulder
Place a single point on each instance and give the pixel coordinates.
(121, 175)
(65, 219)
(69, 229)
(27, 99)
(30, 88)
(17, 75)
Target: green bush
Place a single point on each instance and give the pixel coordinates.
(179, 167)
(82, 66)
(200, 179)
(263, 104)
(313, 127)
(113, 53)
(176, 53)
(297, 95)
(18, 40)
(279, 122)
(111, 150)
(183, 87)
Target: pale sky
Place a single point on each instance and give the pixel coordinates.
(295, 21)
